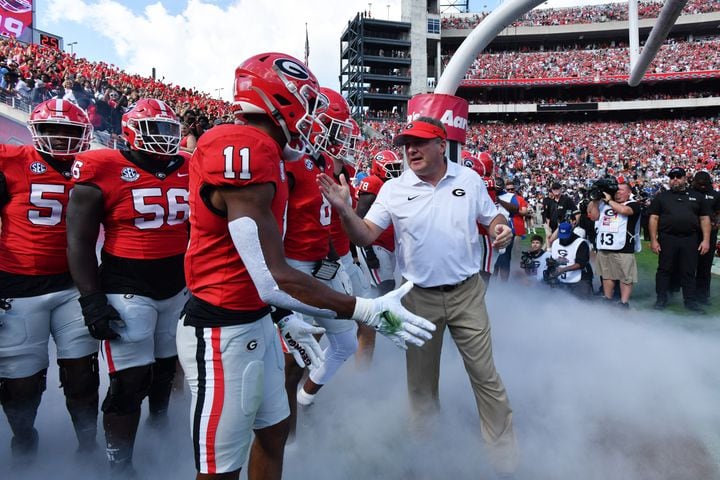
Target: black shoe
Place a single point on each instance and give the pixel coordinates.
(660, 304)
(623, 305)
(694, 307)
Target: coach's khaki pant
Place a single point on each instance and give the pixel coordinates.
(463, 311)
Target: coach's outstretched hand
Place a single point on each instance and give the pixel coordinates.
(387, 315)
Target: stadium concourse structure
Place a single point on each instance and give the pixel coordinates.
(567, 64)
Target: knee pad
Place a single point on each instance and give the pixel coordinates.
(127, 390)
(163, 370)
(79, 377)
(20, 390)
(252, 387)
(342, 346)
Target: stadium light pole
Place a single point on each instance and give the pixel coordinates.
(71, 45)
(218, 90)
(668, 16)
(479, 38)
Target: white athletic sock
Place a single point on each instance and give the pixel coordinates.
(304, 398)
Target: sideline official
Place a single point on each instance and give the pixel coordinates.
(703, 184)
(679, 229)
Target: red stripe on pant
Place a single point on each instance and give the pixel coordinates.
(218, 397)
(108, 356)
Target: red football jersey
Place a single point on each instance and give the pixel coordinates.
(33, 240)
(339, 238)
(145, 214)
(228, 156)
(307, 237)
(372, 185)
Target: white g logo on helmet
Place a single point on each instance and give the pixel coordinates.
(292, 68)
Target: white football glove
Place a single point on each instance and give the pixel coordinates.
(298, 336)
(387, 315)
(345, 281)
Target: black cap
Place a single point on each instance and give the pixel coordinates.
(677, 171)
(556, 186)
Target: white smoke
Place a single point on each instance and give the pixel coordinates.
(597, 392)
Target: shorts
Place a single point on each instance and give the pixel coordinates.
(387, 268)
(149, 330)
(331, 325)
(617, 266)
(237, 380)
(26, 329)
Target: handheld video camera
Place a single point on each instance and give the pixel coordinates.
(607, 185)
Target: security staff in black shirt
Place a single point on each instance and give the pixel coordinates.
(556, 207)
(679, 218)
(702, 183)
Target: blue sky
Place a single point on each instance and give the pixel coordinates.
(198, 43)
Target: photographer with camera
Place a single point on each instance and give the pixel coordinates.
(534, 261)
(617, 222)
(572, 255)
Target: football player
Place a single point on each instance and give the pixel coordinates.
(377, 259)
(133, 301)
(236, 269)
(343, 156)
(484, 166)
(38, 296)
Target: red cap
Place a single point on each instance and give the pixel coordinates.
(419, 129)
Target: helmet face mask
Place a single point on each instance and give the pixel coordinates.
(336, 130)
(60, 128)
(152, 126)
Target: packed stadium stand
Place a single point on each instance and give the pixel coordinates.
(30, 74)
(549, 96)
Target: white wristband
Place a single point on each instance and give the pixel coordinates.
(363, 310)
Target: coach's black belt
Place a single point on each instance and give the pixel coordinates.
(447, 288)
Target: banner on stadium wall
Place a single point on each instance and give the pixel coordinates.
(566, 107)
(13, 132)
(16, 19)
(452, 111)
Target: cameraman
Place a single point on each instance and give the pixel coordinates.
(572, 253)
(534, 261)
(618, 238)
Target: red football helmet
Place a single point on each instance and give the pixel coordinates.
(152, 126)
(487, 163)
(335, 129)
(60, 128)
(16, 6)
(281, 87)
(386, 164)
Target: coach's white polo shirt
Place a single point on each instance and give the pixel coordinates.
(436, 234)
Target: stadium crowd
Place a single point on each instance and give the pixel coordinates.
(533, 155)
(674, 56)
(610, 12)
(30, 74)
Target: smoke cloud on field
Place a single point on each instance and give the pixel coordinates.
(597, 393)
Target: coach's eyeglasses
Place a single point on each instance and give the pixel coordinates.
(675, 175)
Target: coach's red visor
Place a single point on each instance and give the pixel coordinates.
(419, 129)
